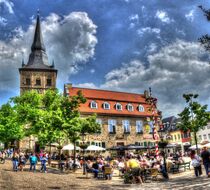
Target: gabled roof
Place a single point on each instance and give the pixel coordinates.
(112, 97)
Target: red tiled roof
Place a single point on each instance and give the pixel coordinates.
(112, 97)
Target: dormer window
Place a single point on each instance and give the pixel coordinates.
(130, 107)
(141, 108)
(93, 105)
(118, 106)
(106, 105)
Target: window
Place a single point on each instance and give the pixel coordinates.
(130, 107)
(93, 105)
(139, 126)
(118, 106)
(49, 82)
(209, 136)
(185, 135)
(28, 81)
(141, 108)
(38, 82)
(179, 137)
(103, 144)
(99, 121)
(200, 137)
(106, 105)
(172, 137)
(175, 137)
(208, 126)
(112, 126)
(204, 137)
(126, 126)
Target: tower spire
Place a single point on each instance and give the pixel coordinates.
(38, 43)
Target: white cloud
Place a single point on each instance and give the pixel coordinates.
(69, 40)
(92, 71)
(190, 15)
(147, 30)
(3, 21)
(152, 48)
(134, 20)
(176, 69)
(8, 4)
(163, 16)
(87, 85)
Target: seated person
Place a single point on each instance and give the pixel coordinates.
(95, 168)
(107, 176)
(89, 166)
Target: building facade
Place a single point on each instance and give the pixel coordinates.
(37, 75)
(178, 137)
(125, 118)
(203, 135)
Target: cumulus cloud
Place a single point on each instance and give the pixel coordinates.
(134, 19)
(8, 5)
(163, 16)
(70, 40)
(176, 69)
(190, 15)
(87, 85)
(147, 30)
(3, 21)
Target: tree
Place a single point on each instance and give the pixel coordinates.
(11, 130)
(53, 117)
(205, 39)
(194, 117)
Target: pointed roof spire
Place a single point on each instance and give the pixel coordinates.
(23, 64)
(53, 64)
(38, 42)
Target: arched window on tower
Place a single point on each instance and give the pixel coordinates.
(38, 82)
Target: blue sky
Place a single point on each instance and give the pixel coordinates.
(124, 45)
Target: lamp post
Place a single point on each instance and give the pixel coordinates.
(83, 146)
(162, 144)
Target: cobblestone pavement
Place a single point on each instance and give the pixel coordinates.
(27, 180)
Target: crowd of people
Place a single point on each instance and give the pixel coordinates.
(137, 165)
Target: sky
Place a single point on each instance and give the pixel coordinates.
(122, 45)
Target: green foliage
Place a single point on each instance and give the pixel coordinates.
(10, 128)
(205, 39)
(194, 117)
(51, 117)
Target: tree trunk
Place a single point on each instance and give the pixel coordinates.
(49, 158)
(74, 165)
(196, 143)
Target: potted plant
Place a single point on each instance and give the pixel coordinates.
(83, 146)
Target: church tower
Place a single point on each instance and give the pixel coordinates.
(37, 74)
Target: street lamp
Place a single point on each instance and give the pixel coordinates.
(83, 146)
(162, 144)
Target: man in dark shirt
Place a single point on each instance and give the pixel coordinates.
(95, 168)
(206, 159)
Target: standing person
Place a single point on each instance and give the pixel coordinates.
(33, 162)
(205, 155)
(22, 161)
(196, 163)
(43, 160)
(15, 159)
